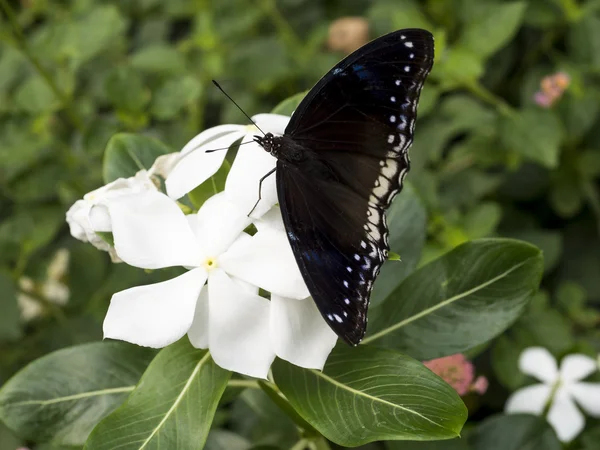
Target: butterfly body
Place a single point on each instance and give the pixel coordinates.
(340, 163)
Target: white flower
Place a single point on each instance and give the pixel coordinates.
(251, 163)
(563, 389)
(243, 331)
(88, 216)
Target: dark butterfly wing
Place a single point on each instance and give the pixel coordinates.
(355, 126)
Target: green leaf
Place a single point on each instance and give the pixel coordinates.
(459, 67)
(62, 396)
(159, 59)
(226, 440)
(126, 154)
(492, 28)
(172, 407)
(10, 319)
(210, 187)
(535, 134)
(174, 95)
(289, 105)
(482, 220)
(35, 96)
(452, 444)
(366, 394)
(8, 441)
(125, 89)
(483, 285)
(583, 41)
(514, 432)
(258, 419)
(407, 222)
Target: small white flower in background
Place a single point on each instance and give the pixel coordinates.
(251, 163)
(52, 288)
(88, 216)
(216, 302)
(561, 391)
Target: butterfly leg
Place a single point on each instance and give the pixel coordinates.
(260, 182)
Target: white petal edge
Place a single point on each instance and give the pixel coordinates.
(198, 332)
(530, 399)
(210, 135)
(155, 315)
(242, 186)
(272, 123)
(299, 333)
(266, 261)
(587, 396)
(238, 331)
(539, 363)
(219, 223)
(565, 417)
(151, 232)
(577, 367)
(196, 166)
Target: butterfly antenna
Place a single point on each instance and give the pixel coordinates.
(238, 106)
(226, 148)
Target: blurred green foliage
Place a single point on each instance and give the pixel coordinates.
(486, 161)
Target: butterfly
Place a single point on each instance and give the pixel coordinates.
(342, 159)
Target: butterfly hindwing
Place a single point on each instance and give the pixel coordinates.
(354, 129)
(338, 256)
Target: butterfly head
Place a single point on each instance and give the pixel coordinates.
(269, 142)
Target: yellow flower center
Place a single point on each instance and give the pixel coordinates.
(210, 263)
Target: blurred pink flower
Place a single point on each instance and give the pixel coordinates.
(459, 373)
(552, 89)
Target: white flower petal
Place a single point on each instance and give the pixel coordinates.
(299, 333)
(530, 399)
(163, 165)
(155, 315)
(271, 220)
(577, 367)
(539, 363)
(99, 218)
(271, 123)
(565, 417)
(266, 260)
(588, 397)
(239, 327)
(198, 332)
(210, 135)
(250, 165)
(150, 231)
(219, 223)
(195, 167)
(77, 218)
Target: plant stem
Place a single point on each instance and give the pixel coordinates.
(478, 90)
(243, 383)
(22, 44)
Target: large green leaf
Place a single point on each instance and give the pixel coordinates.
(514, 432)
(460, 300)
(62, 396)
(407, 222)
(172, 407)
(493, 27)
(126, 154)
(453, 444)
(366, 394)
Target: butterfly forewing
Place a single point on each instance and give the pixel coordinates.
(355, 126)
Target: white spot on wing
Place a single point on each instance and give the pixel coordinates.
(408, 44)
(338, 318)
